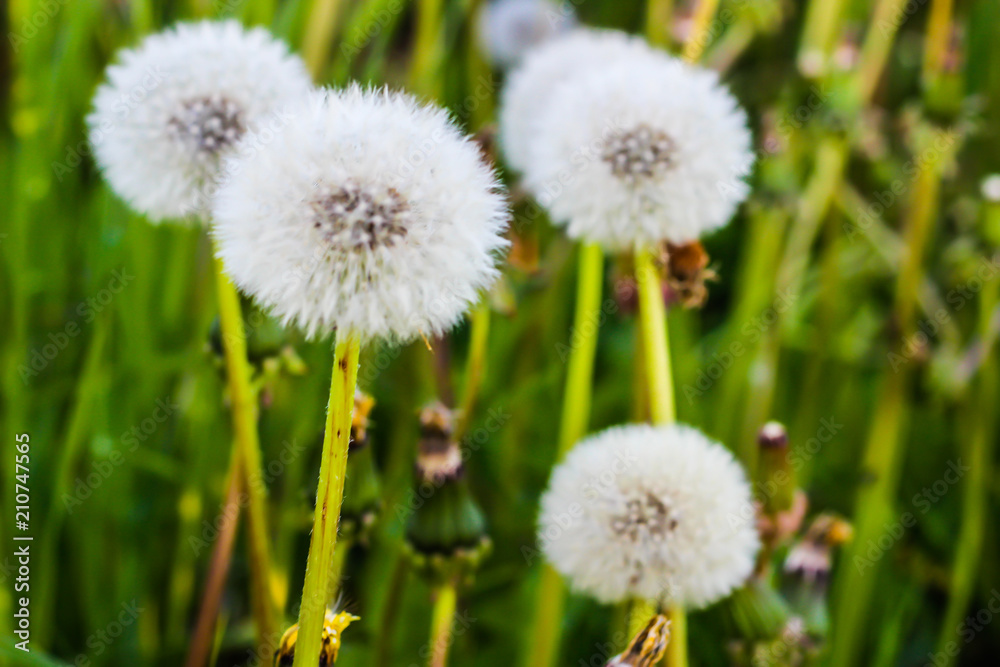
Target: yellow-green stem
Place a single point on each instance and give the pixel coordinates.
(882, 458)
(700, 35)
(243, 400)
(475, 364)
(656, 344)
(445, 599)
(319, 36)
(818, 33)
(659, 376)
(875, 49)
(329, 497)
(659, 15)
(426, 51)
(543, 644)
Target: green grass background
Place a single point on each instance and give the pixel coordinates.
(120, 351)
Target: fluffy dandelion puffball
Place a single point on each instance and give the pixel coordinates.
(640, 152)
(530, 86)
(660, 513)
(508, 29)
(179, 102)
(369, 213)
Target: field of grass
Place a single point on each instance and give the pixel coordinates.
(857, 301)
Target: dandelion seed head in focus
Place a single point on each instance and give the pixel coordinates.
(660, 513)
(641, 152)
(370, 213)
(179, 102)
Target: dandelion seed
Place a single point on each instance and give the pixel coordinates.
(174, 106)
(648, 512)
(371, 214)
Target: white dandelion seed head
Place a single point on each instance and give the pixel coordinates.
(179, 102)
(640, 152)
(530, 86)
(659, 513)
(510, 28)
(369, 213)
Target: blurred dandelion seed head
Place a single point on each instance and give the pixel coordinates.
(508, 29)
(370, 213)
(179, 102)
(647, 512)
(640, 151)
(530, 86)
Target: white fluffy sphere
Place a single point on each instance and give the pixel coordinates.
(508, 29)
(527, 92)
(658, 513)
(179, 102)
(369, 212)
(641, 152)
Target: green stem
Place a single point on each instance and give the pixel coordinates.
(445, 599)
(981, 413)
(243, 399)
(659, 15)
(426, 56)
(882, 458)
(475, 365)
(662, 408)
(821, 27)
(699, 36)
(319, 36)
(329, 497)
(875, 49)
(543, 644)
(656, 344)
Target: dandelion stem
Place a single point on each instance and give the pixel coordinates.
(320, 33)
(546, 630)
(475, 365)
(883, 456)
(247, 442)
(656, 345)
(656, 348)
(329, 497)
(426, 58)
(700, 34)
(222, 555)
(445, 599)
(658, 18)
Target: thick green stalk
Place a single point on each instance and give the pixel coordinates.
(543, 645)
(882, 458)
(656, 344)
(445, 600)
(329, 497)
(656, 347)
(818, 33)
(878, 42)
(243, 399)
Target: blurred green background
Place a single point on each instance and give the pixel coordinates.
(876, 125)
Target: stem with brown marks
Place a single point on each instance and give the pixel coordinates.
(329, 497)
